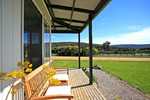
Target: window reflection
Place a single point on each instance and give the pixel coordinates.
(32, 34)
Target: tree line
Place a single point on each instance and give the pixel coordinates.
(71, 49)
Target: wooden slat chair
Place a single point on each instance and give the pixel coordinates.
(37, 87)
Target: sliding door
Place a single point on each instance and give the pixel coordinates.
(32, 34)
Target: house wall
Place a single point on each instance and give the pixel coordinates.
(10, 34)
(0, 35)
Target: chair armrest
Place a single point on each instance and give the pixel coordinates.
(52, 97)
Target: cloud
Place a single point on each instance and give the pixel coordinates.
(138, 37)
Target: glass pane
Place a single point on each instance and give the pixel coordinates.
(32, 34)
(47, 40)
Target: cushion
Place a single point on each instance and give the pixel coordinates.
(61, 77)
(56, 90)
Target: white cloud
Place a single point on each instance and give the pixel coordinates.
(138, 37)
(134, 27)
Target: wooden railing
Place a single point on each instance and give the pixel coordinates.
(15, 91)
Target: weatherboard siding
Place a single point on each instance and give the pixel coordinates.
(10, 34)
(0, 36)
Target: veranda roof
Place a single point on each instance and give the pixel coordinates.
(72, 16)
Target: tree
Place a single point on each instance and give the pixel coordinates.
(84, 51)
(106, 46)
(95, 51)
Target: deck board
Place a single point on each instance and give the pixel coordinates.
(81, 90)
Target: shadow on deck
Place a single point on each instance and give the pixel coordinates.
(81, 89)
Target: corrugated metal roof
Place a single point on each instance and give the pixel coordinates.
(71, 16)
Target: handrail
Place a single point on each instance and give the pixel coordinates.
(16, 91)
(8, 92)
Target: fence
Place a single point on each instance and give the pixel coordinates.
(14, 91)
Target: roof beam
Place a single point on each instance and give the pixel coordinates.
(65, 19)
(63, 31)
(59, 21)
(73, 6)
(59, 26)
(50, 10)
(66, 25)
(70, 8)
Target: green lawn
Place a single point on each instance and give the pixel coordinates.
(135, 73)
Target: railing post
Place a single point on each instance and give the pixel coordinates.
(13, 92)
(90, 51)
(79, 66)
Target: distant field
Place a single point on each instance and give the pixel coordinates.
(136, 73)
(102, 58)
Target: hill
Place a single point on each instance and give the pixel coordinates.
(134, 46)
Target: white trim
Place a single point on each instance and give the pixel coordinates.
(22, 30)
(50, 42)
(43, 40)
(41, 6)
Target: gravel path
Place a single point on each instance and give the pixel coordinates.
(115, 89)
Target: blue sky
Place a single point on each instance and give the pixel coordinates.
(121, 22)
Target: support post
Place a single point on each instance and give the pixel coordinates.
(90, 51)
(79, 60)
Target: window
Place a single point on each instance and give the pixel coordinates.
(32, 34)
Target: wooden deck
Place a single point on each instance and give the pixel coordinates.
(81, 90)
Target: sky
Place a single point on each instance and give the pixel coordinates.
(120, 22)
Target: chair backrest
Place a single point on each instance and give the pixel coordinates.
(36, 83)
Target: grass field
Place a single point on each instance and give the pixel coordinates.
(136, 73)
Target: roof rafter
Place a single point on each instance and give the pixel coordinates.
(59, 21)
(64, 31)
(66, 22)
(50, 11)
(70, 8)
(65, 19)
(66, 25)
(73, 6)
